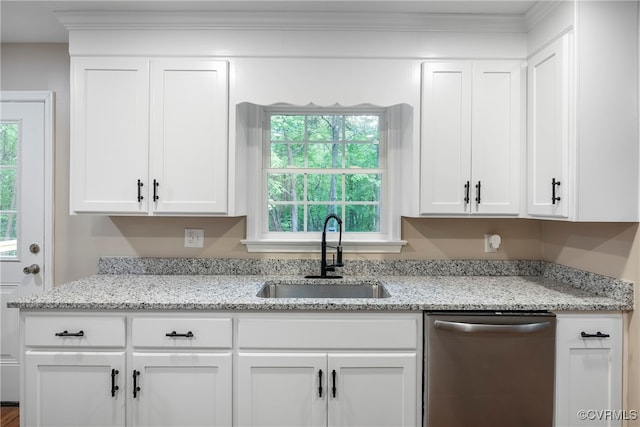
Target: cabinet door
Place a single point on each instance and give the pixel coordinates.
(189, 104)
(66, 389)
(589, 370)
(373, 390)
(109, 135)
(496, 138)
(182, 389)
(548, 131)
(282, 389)
(445, 159)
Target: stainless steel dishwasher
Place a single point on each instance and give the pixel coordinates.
(489, 369)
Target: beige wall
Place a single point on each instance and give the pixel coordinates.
(610, 249)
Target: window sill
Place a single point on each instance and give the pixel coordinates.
(351, 246)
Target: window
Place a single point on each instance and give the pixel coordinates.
(320, 164)
(304, 163)
(9, 137)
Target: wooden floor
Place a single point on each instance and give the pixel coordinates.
(9, 416)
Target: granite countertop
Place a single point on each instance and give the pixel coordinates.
(544, 287)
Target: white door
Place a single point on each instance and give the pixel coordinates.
(75, 389)
(189, 136)
(589, 370)
(282, 390)
(548, 131)
(182, 389)
(26, 182)
(372, 390)
(497, 138)
(110, 135)
(446, 138)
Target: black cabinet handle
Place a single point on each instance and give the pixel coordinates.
(140, 185)
(136, 387)
(70, 334)
(554, 184)
(320, 383)
(466, 192)
(333, 386)
(114, 387)
(174, 334)
(596, 335)
(478, 192)
(155, 190)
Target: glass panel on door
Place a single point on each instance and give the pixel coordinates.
(9, 137)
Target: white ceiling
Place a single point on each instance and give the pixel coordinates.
(27, 21)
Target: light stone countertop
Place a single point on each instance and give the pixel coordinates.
(238, 292)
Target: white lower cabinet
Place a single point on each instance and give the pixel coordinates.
(74, 388)
(181, 371)
(282, 389)
(589, 370)
(181, 389)
(74, 371)
(319, 389)
(270, 369)
(339, 370)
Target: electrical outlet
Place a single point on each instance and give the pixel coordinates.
(492, 242)
(193, 238)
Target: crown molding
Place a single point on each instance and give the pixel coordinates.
(293, 21)
(539, 11)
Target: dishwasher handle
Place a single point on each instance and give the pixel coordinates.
(524, 328)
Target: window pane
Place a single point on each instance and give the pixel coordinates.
(362, 156)
(324, 128)
(362, 218)
(7, 189)
(362, 128)
(287, 155)
(363, 187)
(318, 214)
(324, 188)
(286, 218)
(285, 187)
(287, 128)
(8, 144)
(8, 234)
(325, 156)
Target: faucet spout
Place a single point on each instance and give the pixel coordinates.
(324, 267)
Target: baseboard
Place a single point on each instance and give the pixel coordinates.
(9, 404)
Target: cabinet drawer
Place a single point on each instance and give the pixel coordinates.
(589, 332)
(328, 333)
(75, 331)
(182, 333)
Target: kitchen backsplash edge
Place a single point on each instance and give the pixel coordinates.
(598, 284)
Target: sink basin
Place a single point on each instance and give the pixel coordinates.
(316, 290)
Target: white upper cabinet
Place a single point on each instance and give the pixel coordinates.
(548, 131)
(582, 116)
(149, 136)
(109, 135)
(189, 136)
(471, 138)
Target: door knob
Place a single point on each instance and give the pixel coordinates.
(32, 269)
(34, 248)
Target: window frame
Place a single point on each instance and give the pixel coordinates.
(259, 239)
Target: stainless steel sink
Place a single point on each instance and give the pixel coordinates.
(324, 290)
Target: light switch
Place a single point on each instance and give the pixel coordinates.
(193, 238)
